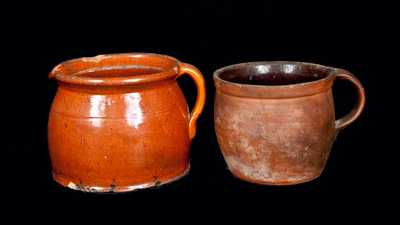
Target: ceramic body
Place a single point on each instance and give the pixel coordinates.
(275, 121)
(120, 122)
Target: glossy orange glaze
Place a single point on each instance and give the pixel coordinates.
(120, 122)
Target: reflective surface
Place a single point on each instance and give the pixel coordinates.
(120, 137)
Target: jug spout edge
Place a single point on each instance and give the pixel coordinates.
(56, 70)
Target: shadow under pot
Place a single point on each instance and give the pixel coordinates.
(120, 122)
(275, 121)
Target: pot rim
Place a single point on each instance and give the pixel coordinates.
(70, 71)
(275, 91)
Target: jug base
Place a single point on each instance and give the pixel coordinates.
(116, 189)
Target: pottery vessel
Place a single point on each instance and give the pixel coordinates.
(120, 122)
(275, 121)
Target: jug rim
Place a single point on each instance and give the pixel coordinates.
(70, 71)
(297, 89)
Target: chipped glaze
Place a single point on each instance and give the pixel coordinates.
(120, 122)
(278, 134)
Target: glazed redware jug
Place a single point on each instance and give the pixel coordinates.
(275, 121)
(120, 122)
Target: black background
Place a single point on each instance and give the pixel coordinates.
(209, 35)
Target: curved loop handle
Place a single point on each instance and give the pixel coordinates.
(196, 75)
(358, 108)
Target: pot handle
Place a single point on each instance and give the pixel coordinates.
(196, 75)
(358, 108)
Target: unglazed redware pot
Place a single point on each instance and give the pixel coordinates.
(275, 121)
(120, 122)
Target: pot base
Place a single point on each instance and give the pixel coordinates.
(115, 189)
(275, 183)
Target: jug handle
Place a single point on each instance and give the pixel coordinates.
(358, 108)
(197, 77)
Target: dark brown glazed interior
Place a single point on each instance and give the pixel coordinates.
(273, 73)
